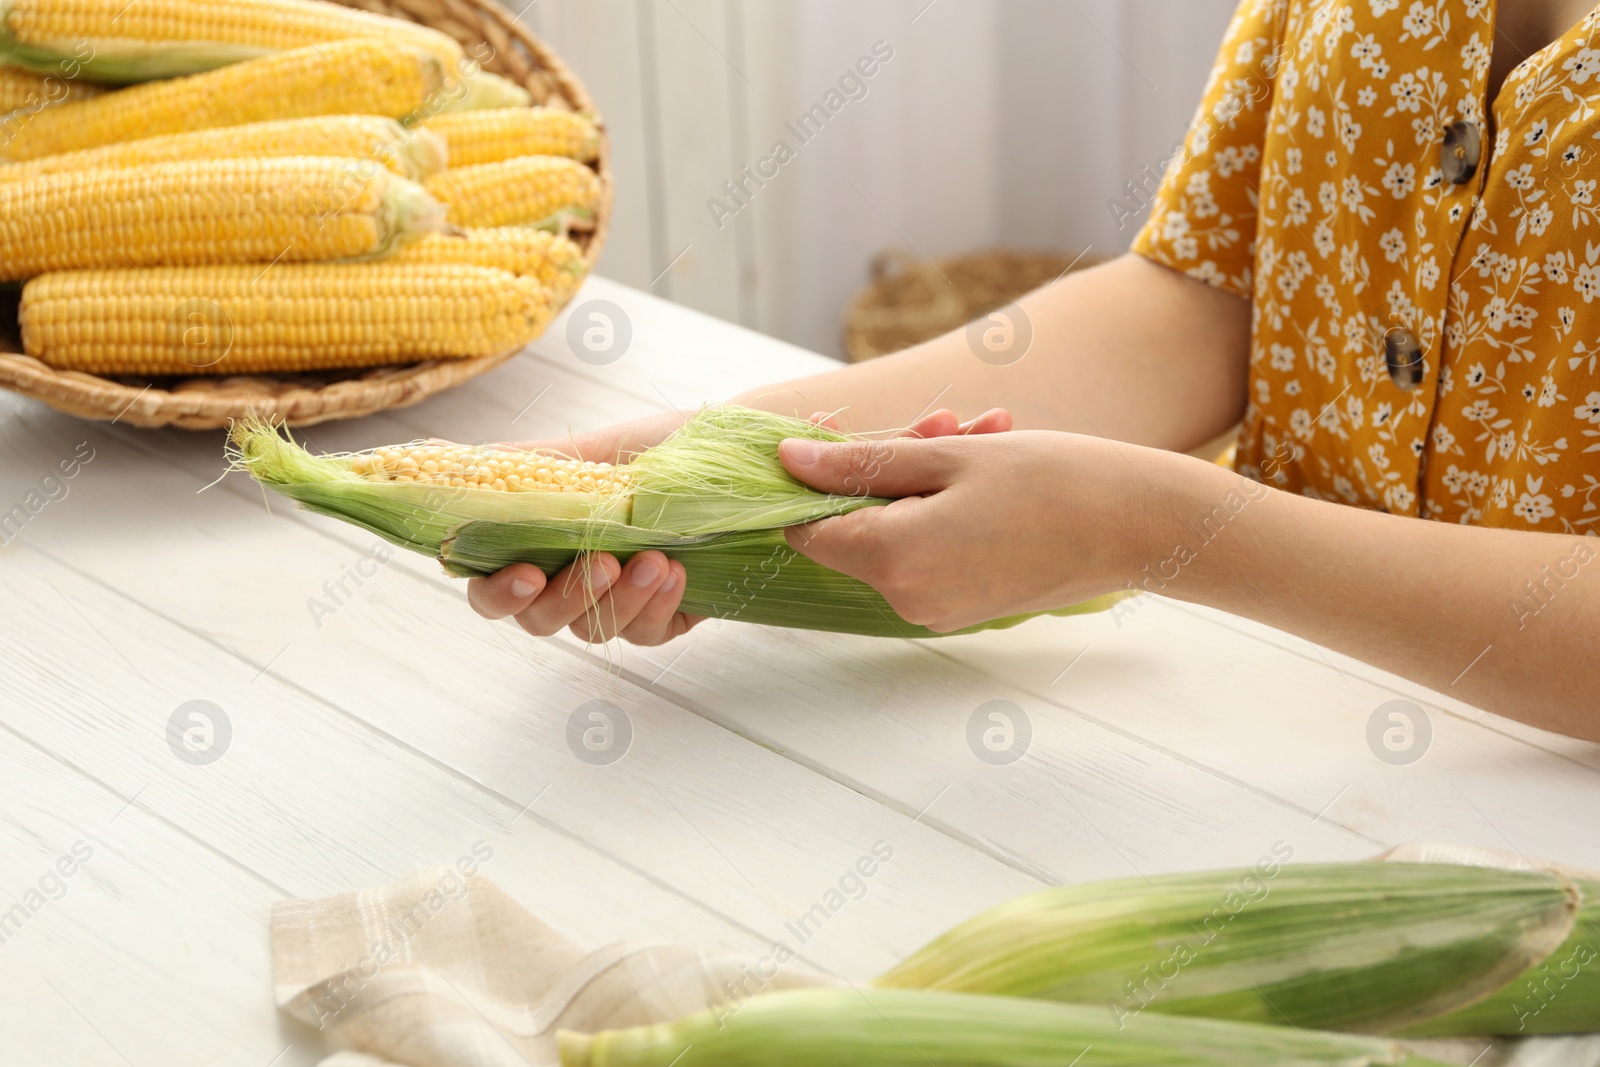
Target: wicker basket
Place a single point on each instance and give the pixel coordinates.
(910, 300)
(206, 403)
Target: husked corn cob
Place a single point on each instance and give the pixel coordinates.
(527, 191)
(138, 40)
(413, 154)
(463, 466)
(474, 137)
(219, 211)
(291, 318)
(359, 77)
(25, 89)
(549, 257)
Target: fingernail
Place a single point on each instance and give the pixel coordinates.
(801, 452)
(520, 588)
(670, 584)
(599, 578)
(645, 574)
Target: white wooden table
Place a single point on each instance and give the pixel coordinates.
(401, 731)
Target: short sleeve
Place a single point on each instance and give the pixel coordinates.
(1203, 219)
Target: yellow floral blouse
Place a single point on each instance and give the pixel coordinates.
(1424, 276)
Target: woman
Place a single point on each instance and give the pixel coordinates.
(1380, 250)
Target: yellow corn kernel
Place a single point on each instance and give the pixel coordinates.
(293, 318)
(413, 154)
(466, 466)
(220, 211)
(526, 191)
(498, 134)
(554, 260)
(22, 89)
(135, 40)
(359, 77)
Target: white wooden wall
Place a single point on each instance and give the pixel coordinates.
(996, 122)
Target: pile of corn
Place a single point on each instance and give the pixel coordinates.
(261, 186)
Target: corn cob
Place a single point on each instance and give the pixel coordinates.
(290, 318)
(1368, 947)
(489, 468)
(25, 89)
(475, 137)
(359, 77)
(713, 496)
(222, 211)
(413, 154)
(140, 40)
(908, 1029)
(552, 259)
(528, 191)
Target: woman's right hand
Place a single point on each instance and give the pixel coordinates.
(600, 597)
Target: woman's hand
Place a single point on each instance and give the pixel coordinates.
(598, 596)
(988, 527)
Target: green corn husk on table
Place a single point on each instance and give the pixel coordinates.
(714, 495)
(900, 1028)
(1389, 948)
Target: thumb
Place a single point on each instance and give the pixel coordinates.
(896, 467)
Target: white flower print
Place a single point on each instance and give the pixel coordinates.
(1534, 508)
(1583, 65)
(1393, 245)
(1282, 357)
(1535, 133)
(1428, 276)
(1520, 177)
(1539, 218)
(1367, 96)
(1381, 8)
(1419, 20)
(1555, 268)
(1400, 180)
(1587, 282)
(1407, 92)
(1315, 119)
(1475, 55)
(1589, 410)
(1582, 192)
(1300, 423)
(1443, 439)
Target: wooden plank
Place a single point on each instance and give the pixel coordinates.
(149, 949)
(1296, 726)
(691, 808)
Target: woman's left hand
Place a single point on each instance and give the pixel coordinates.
(986, 526)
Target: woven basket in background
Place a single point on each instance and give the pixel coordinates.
(911, 300)
(206, 403)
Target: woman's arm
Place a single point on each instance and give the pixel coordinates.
(1506, 620)
(1129, 350)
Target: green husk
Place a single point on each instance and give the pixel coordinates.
(713, 495)
(1366, 947)
(1558, 995)
(897, 1028)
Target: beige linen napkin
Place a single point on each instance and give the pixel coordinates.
(442, 970)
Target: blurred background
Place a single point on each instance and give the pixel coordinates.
(984, 124)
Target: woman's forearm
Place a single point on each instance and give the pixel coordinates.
(1129, 350)
(1503, 619)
